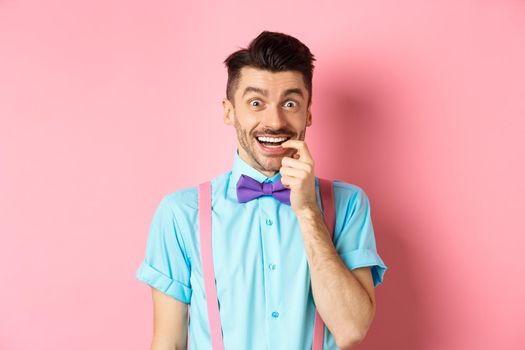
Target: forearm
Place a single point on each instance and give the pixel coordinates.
(342, 302)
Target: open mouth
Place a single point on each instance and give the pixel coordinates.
(271, 141)
(272, 144)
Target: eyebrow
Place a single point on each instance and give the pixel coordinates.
(265, 92)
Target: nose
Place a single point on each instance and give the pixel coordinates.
(274, 119)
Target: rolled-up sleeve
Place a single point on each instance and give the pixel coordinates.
(355, 239)
(166, 266)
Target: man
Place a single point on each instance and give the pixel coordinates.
(274, 262)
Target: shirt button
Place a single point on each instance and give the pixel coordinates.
(275, 314)
(272, 266)
(269, 222)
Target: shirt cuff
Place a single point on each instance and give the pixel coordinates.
(366, 257)
(149, 275)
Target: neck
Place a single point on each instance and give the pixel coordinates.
(267, 173)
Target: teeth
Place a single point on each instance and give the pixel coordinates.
(271, 139)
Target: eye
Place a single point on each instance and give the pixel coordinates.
(293, 103)
(255, 103)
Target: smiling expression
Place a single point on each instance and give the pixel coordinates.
(270, 107)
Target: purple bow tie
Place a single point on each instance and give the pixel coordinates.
(249, 188)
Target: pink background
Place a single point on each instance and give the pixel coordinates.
(107, 106)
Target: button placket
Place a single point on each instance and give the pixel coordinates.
(271, 258)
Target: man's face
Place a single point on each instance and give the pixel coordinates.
(270, 107)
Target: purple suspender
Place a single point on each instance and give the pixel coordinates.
(327, 202)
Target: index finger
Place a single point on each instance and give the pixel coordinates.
(301, 147)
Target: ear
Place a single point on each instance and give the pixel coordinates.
(308, 116)
(228, 112)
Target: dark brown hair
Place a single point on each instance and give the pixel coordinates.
(271, 51)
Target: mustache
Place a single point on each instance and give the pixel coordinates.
(275, 132)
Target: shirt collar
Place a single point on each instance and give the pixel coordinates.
(240, 167)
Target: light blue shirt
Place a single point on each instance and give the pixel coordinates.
(261, 270)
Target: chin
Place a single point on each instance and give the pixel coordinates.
(270, 163)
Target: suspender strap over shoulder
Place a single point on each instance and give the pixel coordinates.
(205, 217)
(207, 265)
